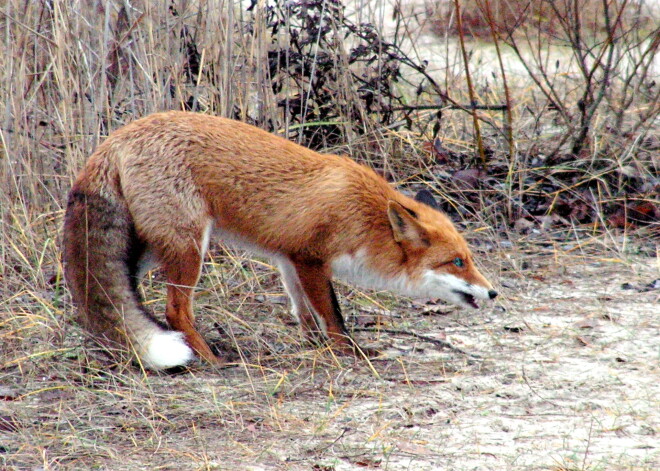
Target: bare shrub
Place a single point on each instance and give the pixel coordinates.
(589, 71)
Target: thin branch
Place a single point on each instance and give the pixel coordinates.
(451, 107)
(424, 338)
(473, 99)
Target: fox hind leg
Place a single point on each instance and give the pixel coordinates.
(181, 259)
(182, 276)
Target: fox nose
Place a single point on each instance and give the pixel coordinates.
(492, 294)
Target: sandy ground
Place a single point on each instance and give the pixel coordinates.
(563, 373)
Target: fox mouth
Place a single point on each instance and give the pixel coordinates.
(467, 299)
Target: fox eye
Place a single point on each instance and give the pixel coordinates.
(458, 261)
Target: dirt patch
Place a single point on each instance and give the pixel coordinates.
(562, 373)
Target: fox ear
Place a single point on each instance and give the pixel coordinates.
(405, 226)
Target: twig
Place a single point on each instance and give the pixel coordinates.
(441, 343)
(473, 100)
(531, 388)
(456, 106)
(508, 114)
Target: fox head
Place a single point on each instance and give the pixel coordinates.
(438, 262)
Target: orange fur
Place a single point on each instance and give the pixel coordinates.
(166, 180)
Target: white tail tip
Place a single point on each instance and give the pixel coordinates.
(166, 349)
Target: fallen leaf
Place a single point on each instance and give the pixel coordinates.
(516, 329)
(584, 342)
(655, 284)
(368, 463)
(588, 323)
(8, 394)
(469, 178)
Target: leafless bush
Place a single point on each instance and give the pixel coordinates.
(594, 104)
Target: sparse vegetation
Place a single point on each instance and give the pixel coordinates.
(558, 190)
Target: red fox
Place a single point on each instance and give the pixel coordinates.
(155, 191)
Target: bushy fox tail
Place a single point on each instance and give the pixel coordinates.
(101, 255)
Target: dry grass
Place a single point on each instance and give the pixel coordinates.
(568, 371)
